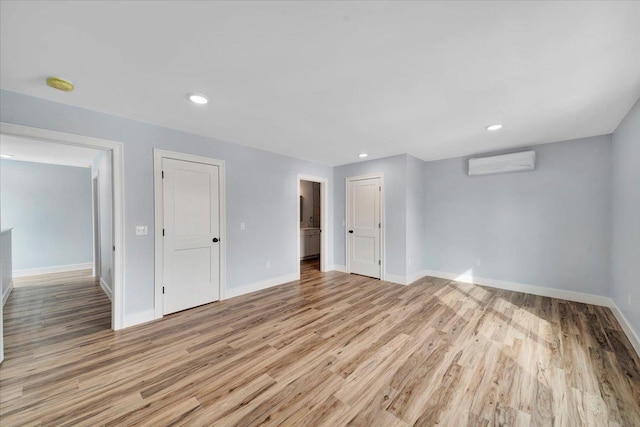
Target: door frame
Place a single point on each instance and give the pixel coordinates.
(97, 241)
(117, 164)
(158, 155)
(324, 214)
(383, 274)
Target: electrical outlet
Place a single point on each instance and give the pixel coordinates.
(242, 226)
(478, 263)
(268, 264)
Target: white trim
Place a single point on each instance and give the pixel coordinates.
(107, 290)
(52, 269)
(383, 272)
(626, 327)
(263, 284)
(139, 318)
(117, 310)
(7, 292)
(524, 288)
(324, 206)
(547, 292)
(405, 280)
(158, 155)
(399, 280)
(338, 267)
(416, 276)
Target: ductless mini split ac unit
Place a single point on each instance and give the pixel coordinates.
(522, 161)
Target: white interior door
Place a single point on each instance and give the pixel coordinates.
(363, 225)
(191, 213)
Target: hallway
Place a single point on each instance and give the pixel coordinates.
(48, 313)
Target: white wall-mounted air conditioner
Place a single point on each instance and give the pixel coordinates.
(522, 161)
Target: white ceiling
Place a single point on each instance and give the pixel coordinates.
(30, 150)
(324, 81)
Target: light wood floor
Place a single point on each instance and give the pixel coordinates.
(67, 278)
(331, 349)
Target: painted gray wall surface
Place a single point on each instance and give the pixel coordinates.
(416, 230)
(102, 168)
(549, 227)
(6, 275)
(625, 254)
(393, 169)
(261, 191)
(49, 208)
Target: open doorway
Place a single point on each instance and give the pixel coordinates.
(52, 211)
(312, 217)
(61, 223)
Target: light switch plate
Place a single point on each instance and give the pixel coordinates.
(141, 230)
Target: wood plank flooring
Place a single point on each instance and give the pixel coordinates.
(330, 349)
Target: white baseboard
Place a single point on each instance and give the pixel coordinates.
(7, 292)
(338, 267)
(547, 292)
(400, 280)
(52, 269)
(528, 289)
(139, 318)
(416, 276)
(258, 286)
(626, 327)
(106, 288)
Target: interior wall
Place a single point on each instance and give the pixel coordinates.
(395, 220)
(102, 168)
(416, 225)
(49, 208)
(549, 227)
(625, 254)
(262, 189)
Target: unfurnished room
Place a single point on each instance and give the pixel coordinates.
(320, 213)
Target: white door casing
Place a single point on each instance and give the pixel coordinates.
(191, 216)
(364, 226)
(97, 257)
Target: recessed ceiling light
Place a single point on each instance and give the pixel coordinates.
(494, 127)
(6, 156)
(198, 98)
(362, 155)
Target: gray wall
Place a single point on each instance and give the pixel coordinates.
(49, 208)
(393, 169)
(101, 168)
(625, 254)
(415, 216)
(549, 227)
(6, 271)
(261, 191)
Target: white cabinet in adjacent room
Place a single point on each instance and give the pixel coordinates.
(309, 242)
